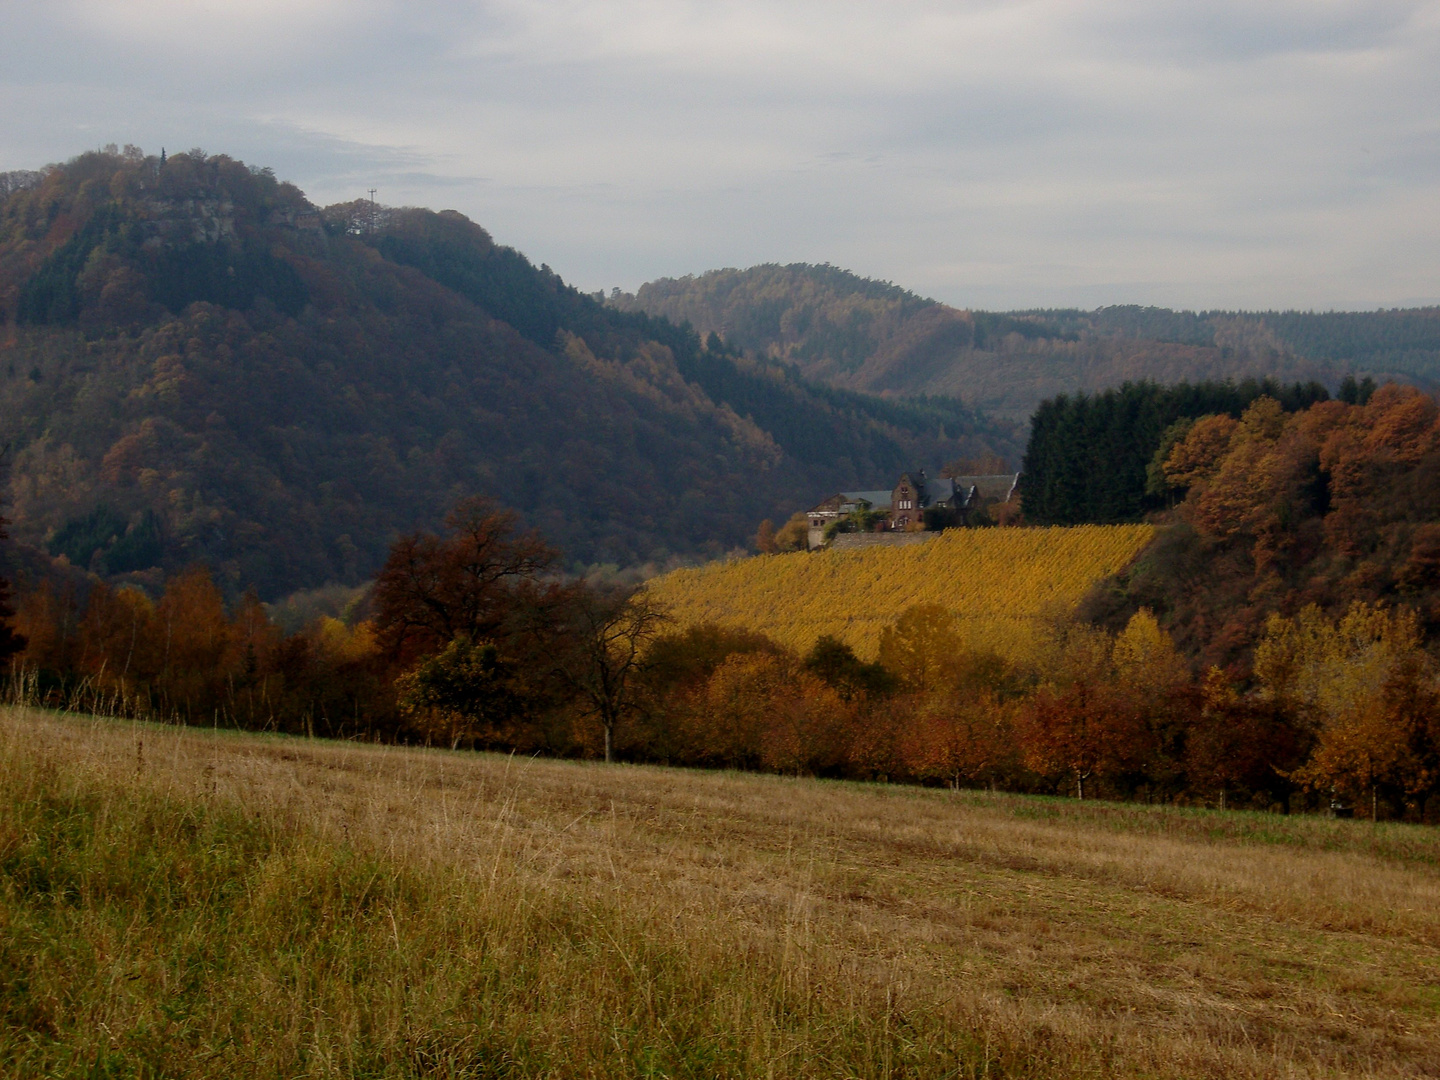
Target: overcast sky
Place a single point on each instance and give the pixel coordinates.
(999, 155)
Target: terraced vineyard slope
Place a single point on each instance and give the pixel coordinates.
(1000, 582)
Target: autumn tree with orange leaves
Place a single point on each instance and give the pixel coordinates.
(1369, 690)
(762, 710)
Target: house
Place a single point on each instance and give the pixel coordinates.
(903, 507)
(986, 490)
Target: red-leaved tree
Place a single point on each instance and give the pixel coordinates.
(1082, 732)
(474, 580)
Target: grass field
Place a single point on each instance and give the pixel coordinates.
(198, 904)
(1000, 583)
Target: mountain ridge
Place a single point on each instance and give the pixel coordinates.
(850, 331)
(278, 390)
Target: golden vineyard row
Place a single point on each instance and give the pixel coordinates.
(1000, 582)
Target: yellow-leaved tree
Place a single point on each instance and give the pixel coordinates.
(922, 647)
(1145, 658)
(1366, 685)
(1334, 668)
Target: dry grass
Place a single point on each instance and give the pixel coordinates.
(185, 903)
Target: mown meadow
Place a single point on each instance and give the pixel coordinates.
(180, 902)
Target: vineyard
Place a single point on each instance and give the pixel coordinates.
(999, 582)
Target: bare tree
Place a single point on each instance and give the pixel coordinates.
(609, 628)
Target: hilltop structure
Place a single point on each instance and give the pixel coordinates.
(915, 503)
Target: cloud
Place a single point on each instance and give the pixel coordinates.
(217, 35)
(995, 153)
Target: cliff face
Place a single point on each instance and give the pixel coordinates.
(178, 221)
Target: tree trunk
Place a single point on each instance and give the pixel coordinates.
(607, 744)
(1079, 786)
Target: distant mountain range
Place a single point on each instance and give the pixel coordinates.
(197, 364)
(871, 336)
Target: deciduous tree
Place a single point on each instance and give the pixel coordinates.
(466, 693)
(1145, 660)
(1389, 741)
(1334, 668)
(762, 710)
(834, 662)
(921, 647)
(970, 740)
(606, 632)
(471, 580)
(1082, 731)
(1235, 742)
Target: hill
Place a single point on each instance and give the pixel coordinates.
(178, 903)
(1331, 505)
(872, 336)
(196, 364)
(1001, 583)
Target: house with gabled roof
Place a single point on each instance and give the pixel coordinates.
(996, 488)
(903, 506)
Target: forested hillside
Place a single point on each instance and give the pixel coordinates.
(1089, 458)
(872, 336)
(198, 364)
(1333, 506)
(1272, 646)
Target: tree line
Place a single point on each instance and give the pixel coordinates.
(476, 622)
(1276, 510)
(470, 638)
(1088, 455)
(1268, 649)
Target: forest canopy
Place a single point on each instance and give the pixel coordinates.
(196, 364)
(861, 334)
(1088, 459)
(1331, 506)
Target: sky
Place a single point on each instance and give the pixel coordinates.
(998, 155)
